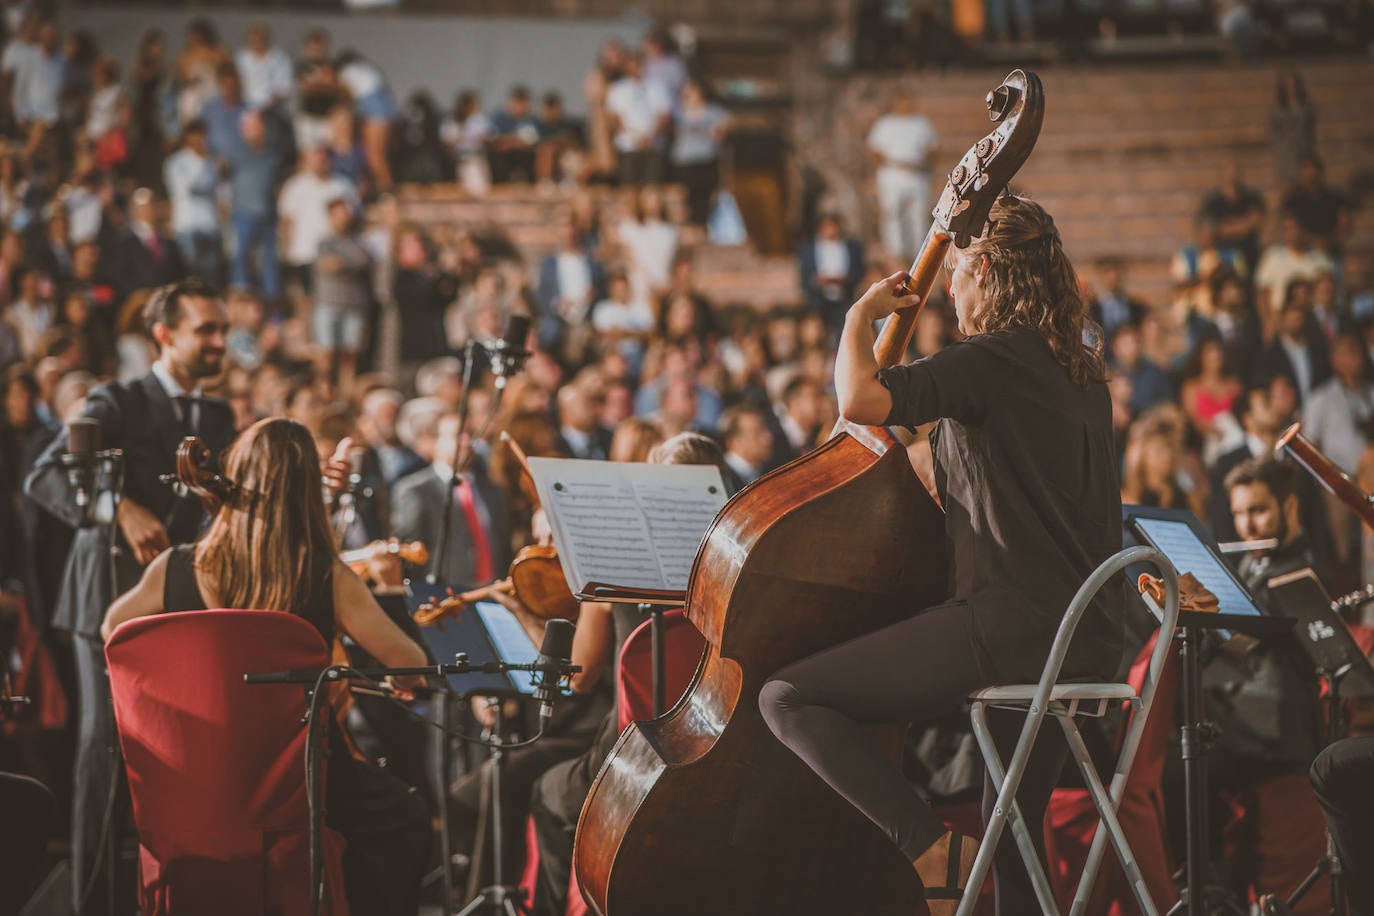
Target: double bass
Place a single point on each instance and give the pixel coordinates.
(702, 810)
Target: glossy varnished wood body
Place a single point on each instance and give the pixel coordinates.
(703, 810)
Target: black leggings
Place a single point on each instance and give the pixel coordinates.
(918, 670)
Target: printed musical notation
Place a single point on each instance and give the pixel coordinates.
(634, 525)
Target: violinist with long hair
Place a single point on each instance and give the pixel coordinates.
(1026, 473)
(270, 547)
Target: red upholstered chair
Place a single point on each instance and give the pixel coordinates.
(216, 766)
(1070, 820)
(682, 648)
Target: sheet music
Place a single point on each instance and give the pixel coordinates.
(630, 525)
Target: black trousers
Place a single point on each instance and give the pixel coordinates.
(915, 671)
(1343, 778)
(518, 773)
(96, 784)
(555, 806)
(700, 180)
(386, 824)
(31, 819)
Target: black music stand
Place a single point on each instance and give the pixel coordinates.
(651, 603)
(1341, 664)
(486, 632)
(1181, 537)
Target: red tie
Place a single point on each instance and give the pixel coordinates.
(481, 547)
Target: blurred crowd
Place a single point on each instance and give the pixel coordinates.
(254, 170)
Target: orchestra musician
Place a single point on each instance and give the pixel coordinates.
(146, 418)
(1026, 471)
(270, 547)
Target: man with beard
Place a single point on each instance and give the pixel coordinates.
(147, 419)
(1263, 696)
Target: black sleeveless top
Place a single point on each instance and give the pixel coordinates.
(181, 592)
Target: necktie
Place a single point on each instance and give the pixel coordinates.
(482, 571)
(186, 412)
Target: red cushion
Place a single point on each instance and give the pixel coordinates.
(683, 645)
(1071, 819)
(215, 766)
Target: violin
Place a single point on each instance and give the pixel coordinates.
(413, 552)
(535, 577)
(703, 810)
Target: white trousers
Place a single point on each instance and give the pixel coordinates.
(904, 204)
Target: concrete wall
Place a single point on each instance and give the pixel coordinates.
(439, 53)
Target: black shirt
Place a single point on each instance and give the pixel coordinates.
(1027, 474)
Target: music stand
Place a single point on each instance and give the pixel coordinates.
(1341, 664)
(652, 603)
(1181, 537)
(485, 632)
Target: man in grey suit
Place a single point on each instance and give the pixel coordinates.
(147, 419)
(417, 513)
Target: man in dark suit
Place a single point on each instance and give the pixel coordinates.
(831, 267)
(147, 419)
(580, 434)
(139, 255)
(478, 548)
(1299, 350)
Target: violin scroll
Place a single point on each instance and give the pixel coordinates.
(195, 476)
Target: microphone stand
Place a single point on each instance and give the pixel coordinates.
(508, 899)
(461, 460)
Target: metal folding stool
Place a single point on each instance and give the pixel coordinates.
(1064, 702)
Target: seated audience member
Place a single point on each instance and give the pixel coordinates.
(1209, 390)
(748, 442)
(1112, 306)
(514, 136)
(579, 433)
(1298, 351)
(478, 548)
(1323, 212)
(1335, 418)
(1235, 212)
(1152, 466)
(238, 563)
(1150, 384)
(831, 267)
(622, 321)
(557, 156)
(378, 422)
(1232, 315)
(800, 412)
(1197, 262)
(570, 280)
(1293, 258)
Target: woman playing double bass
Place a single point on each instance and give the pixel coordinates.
(1027, 477)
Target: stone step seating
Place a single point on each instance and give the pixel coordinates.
(1126, 155)
(530, 218)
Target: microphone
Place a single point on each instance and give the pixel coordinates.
(82, 437)
(555, 658)
(507, 356)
